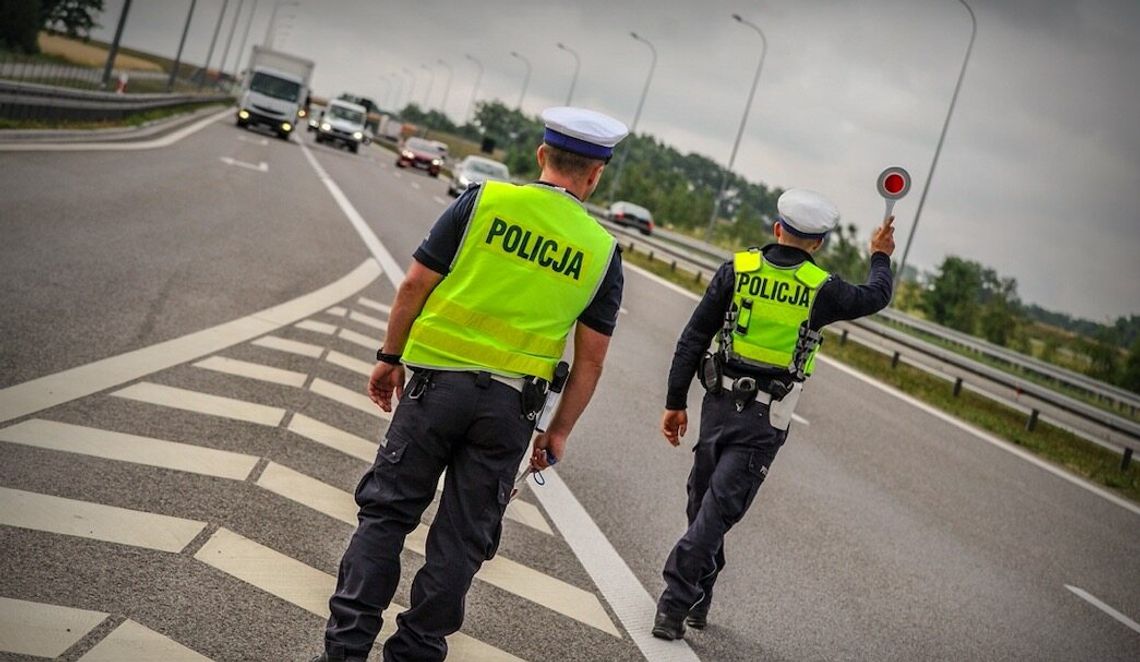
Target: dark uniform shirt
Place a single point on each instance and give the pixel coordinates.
(440, 247)
(836, 300)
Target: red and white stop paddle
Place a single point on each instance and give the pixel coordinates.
(894, 184)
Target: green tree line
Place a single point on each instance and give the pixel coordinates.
(22, 20)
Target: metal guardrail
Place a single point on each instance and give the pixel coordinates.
(35, 101)
(704, 268)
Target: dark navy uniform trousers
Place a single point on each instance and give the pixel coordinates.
(730, 461)
(471, 426)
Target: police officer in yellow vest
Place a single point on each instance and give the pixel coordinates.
(482, 319)
(764, 309)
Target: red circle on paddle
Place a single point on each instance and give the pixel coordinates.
(894, 183)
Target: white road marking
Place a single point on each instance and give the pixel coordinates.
(356, 365)
(261, 166)
(253, 371)
(529, 515)
(290, 346)
(165, 141)
(43, 512)
(317, 327)
(375, 305)
(131, 642)
(525, 582)
(439, 200)
(622, 311)
(353, 399)
(367, 342)
(1092, 600)
(37, 394)
(43, 630)
(368, 320)
(202, 403)
(334, 438)
(309, 588)
(129, 448)
(338, 311)
(254, 141)
(416, 185)
(396, 174)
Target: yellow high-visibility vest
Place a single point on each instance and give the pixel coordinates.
(529, 263)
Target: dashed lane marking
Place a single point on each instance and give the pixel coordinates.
(133, 642)
(123, 447)
(290, 346)
(364, 341)
(309, 588)
(356, 365)
(375, 305)
(317, 327)
(345, 396)
(38, 394)
(253, 371)
(203, 403)
(43, 512)
(43, 630)
(368, 320)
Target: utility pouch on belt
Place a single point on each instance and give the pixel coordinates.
(533, 396)
(780, 411)
(561, 374)
(711, 371)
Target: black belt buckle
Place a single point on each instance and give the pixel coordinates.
(743, 391)
(533, 396)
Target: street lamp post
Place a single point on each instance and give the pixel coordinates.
(526, 78)
(113, 51)
(181, 44)
(446, 88)
(230, 39)
(941, 138)
(577, 68)
(213, 42)
(431, 84)
(743, 122)
(636, 114)
(245, 37)
(474, 88)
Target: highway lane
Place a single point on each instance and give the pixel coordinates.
(882, 533)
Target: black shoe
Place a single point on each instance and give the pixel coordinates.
(697, 620)
(668, 626)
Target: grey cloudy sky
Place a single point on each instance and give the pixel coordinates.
(1039, 178)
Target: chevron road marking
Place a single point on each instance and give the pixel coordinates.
(335, 438)
(43, 512)
(364, 341)
(202, 403)
(253, 371)
(345, 396)
(131, 642)
(318, 327)
(337, 311)
(349, 363)
(375, 305)
(309, 588)
(290, 346)
(43, 630)
(368, 320)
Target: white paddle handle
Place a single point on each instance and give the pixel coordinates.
(890, 208)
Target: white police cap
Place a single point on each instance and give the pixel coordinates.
(806, 214)
(582, 131)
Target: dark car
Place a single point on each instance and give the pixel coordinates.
(631, 215)
(423, 154)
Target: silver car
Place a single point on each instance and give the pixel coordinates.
(475, 169)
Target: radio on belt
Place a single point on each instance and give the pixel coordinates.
(561, 373)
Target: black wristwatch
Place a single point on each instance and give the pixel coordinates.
(392, 359)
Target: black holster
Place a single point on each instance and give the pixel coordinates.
(711, 371)
(533, 397)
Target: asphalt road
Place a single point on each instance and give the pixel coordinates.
(883, 532)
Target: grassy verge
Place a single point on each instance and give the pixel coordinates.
(1081, 457)
(136, 119)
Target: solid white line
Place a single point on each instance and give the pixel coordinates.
(253, 371)
(43, 630)
(1091, 599)
(129, 448)
(349, 363)
(375, 305)
(525, 582)
(987, 437)
(290, 346)
(43, 512)
(202, 403)
(632, 604)
(387, 262)
(368, 320)
(309, 588)
(317, 327)
(37, 394)
(334, 438)
(164, 141)
(340, 394)
(338, 311)
(368, 342)
(131, 642)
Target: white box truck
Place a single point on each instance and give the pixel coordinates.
(275, 91)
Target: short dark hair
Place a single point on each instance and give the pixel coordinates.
(569, 163)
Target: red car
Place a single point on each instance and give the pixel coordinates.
(423, 154)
